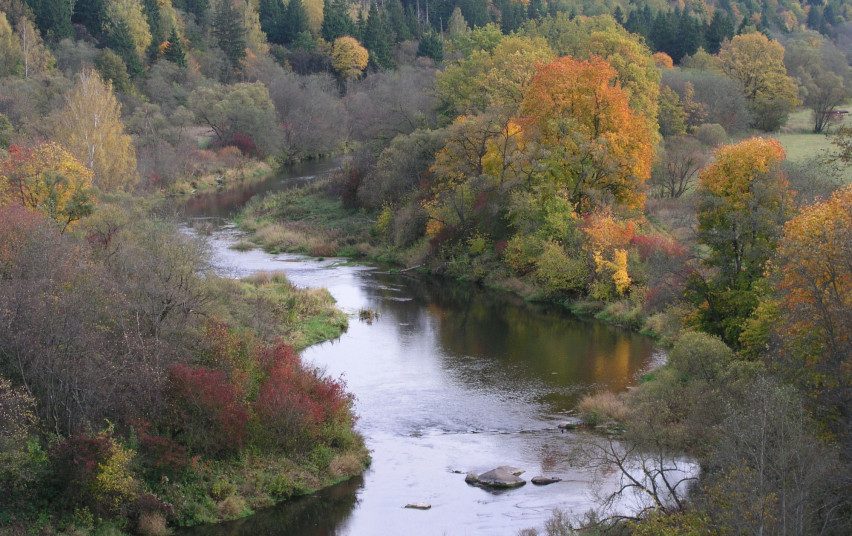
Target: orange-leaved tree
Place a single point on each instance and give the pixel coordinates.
(584, 138)
(814, 283)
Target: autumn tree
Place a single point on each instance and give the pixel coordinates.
(49, 179)
(348, 57)
(743, 201)
(10, 48)
(814, 283)
(35, 56)
(585, 37)
(90, 127)
(583, 135)
(491, 78)
(757, 63)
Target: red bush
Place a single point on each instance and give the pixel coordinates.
(209, 412)
(294, 402)
(649, 245)
(76, 461)
(245, 143)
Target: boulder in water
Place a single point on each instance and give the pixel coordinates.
(418, 506)
(544, 480)
(503, 477)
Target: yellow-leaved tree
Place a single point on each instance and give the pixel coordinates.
(47, 178)
(757, 63)
(90, 127)
(128, 16)
(348, 57)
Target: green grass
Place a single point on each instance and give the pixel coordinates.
(801, 143)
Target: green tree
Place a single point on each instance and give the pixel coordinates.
(112, 68)
(53, 17)
(377, 39)
(174, 51)
(272, 20)
(456, 25)
(396, 20)
(295, 21)
(10, 49)
(431, 46)
(336, 20)
(230, 31)
(743, 202)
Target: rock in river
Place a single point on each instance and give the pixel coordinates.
(418, 506)
(503, 477)
(544, 480)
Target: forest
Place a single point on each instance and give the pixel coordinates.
(681, 169)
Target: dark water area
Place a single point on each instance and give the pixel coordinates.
(449, 378)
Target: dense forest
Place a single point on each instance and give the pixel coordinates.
(677, 168)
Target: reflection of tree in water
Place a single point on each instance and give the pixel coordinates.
(316, 515)
(516, 343)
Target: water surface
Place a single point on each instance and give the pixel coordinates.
(448, 379)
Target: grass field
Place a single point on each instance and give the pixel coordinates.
(801, 143)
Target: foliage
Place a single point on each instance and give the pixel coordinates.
(348, 57)
(90, 127)
(757, 63)
(49, 179)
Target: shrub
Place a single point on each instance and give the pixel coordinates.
(710, 134)
(94, 473)
(700, 356)
(232, 507)
(294, 402)
(207, 412)
(152, 524)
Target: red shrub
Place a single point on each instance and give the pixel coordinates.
(76, 461)
(294, 402)
(209, 412)
(245, 143)
(649, 245)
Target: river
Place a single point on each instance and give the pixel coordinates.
(448, 379)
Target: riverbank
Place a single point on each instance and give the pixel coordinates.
(311, 220)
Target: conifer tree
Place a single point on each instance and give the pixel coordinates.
(396, 20)
(53, 17)
(295, 21)
(229, 31)
(377, 39)
(336, 21)
(272, 20)
(175, 52)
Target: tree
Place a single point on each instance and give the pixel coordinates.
(431, 46)
(672, 115)
(239, 114)
(814, 282)
(10, 48)
(111, 68)
(456, 25)
(90, 127)
(584, 136)
(757, 63)
(35, 57)
(348, 57)
(491, 78)
(127, 15)
(230, 31)
(271, 13)
(174, 50)
(336, 20)
(295, 21)
(823, 74)
(53, 17)
(49, 179)
(743, 201)
(377, 39)
(677, 166)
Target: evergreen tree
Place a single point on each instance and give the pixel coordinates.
(618, 15)
(690, 36)
(377, 39)
(295, 21)
(336, 21)
(396, 20)
(175, 52)
(120, 41)
(475, 12)
(457, 24)
(272, 20)
(431, 46)
(536, 9)
(513, 15)
(152, 11)
(91, 14)
(52, 17)
(721, 27)
(199, 8)
(229, 31)
(412, 22)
